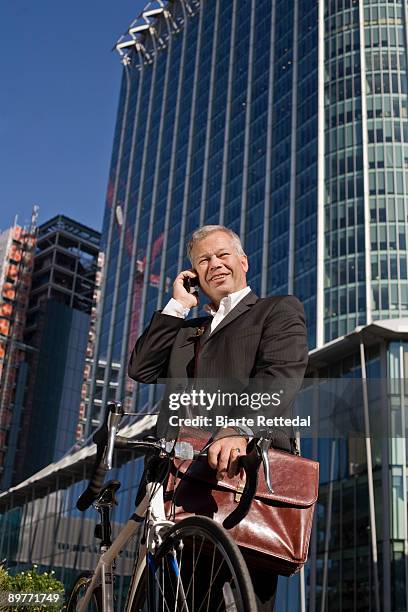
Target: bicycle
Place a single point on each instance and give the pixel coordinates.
(190, 566)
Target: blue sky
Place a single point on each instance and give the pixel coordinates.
(58, 100)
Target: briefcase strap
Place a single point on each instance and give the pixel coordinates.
(251, 463)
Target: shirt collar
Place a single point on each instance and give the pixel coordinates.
(229, 301)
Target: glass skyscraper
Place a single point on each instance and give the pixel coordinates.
(217, 123)
(286, 121)
(365, 154)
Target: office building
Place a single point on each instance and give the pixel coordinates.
(40, 524)
(89, 357)
(56, 330)
(286, 121)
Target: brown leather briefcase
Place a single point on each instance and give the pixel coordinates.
(272, 529)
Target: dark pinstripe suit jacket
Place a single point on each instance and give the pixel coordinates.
(261, 338)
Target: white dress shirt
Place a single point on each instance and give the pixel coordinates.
(175, 309)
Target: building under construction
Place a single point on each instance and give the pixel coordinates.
(49, 279)
(17, 247)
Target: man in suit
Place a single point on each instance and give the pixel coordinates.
(243, 338)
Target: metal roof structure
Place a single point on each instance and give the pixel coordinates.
(387, 329)
(75, 466)
(62, 223)
(146, 25)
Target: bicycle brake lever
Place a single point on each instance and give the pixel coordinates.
(263, 445)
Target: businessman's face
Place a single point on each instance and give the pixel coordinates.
(220, 269)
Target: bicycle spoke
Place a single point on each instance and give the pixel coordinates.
(172, 568)
(194, 565)
(228, 599)
(157, 581)
(193, 573)
(212, 571)
(163, 591)
(197, 569)
(177, 570)
(169, 573)
(211, 584)
(179, 580)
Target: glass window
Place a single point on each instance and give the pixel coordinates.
(392, 237)
(383, 237)
(394, 296)
(403, 266)
(401, 209)
(373, 237)
(402, 238)
(384, 298)
(404, 295)
(383, 267)
(393, 267)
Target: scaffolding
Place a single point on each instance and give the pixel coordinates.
(17, 249)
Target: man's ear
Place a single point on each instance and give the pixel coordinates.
(244, 263)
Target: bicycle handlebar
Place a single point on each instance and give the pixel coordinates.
(99, 470)
(94, 486)
(106, 439)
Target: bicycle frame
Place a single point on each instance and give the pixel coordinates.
(149, 518)
(151, 512)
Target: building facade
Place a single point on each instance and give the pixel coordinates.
(17, 247)
(366, 165)
(286, 122)
(40, 524)
(56, 330)
(358, 553)
(205, 133)
(84, 409)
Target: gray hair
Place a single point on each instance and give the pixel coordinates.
(206, 230)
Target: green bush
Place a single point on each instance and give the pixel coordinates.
(4, 579)
(31, 581)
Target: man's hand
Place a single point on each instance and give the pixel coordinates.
(225, 451)
(188, 300)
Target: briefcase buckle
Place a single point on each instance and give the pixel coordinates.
(238, 492)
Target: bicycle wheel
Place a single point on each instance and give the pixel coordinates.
(198, 568)
(78, 592)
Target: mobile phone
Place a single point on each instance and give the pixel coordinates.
(191, 285)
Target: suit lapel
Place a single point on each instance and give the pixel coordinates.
(194, 333)
(242, 306)
(206, 333)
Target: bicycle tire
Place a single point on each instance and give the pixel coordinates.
(169, 579)
(81, 583)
